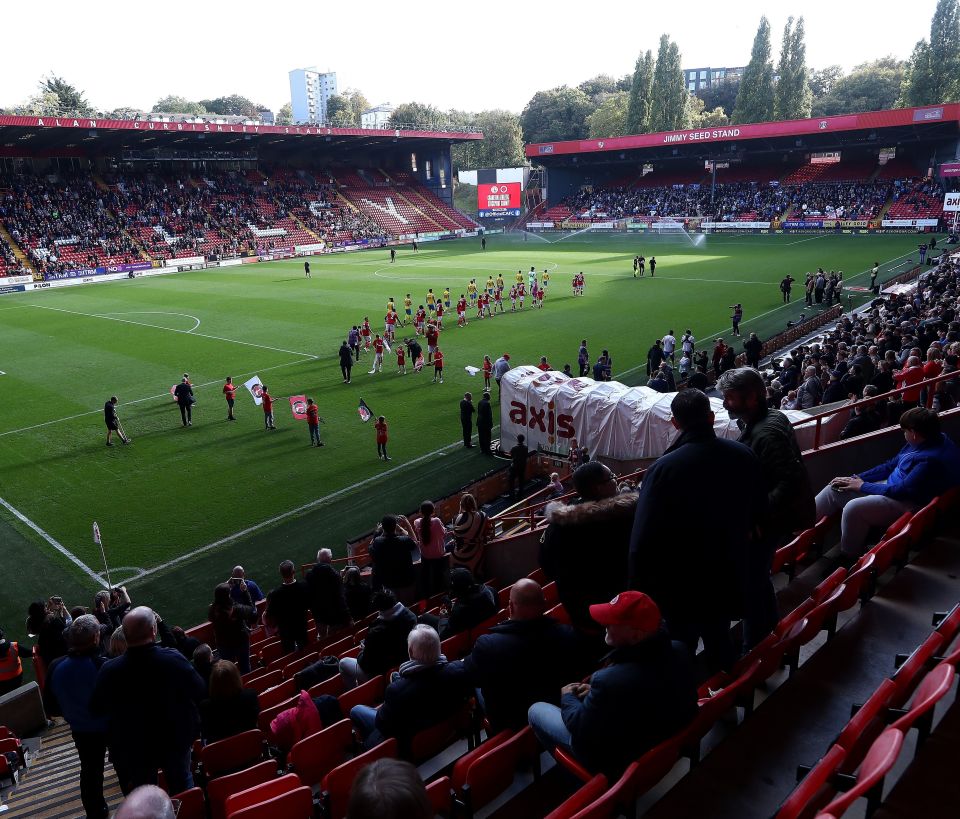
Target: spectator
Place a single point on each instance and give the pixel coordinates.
(470, 536)
(391, 556)
(907, 377)
(655, 356)
(67, 693)
(230, 709)
(430, 536)
(697, 581)
(485, 423)
(790, 504)
(928, 465)
(147, 802)
(47, 622)
(149, 696)
(500, 368)
(754, 349)
(385, 644)
(863, 419)
(525, 659)
(231, 625)
(518, 466)
(287, 607)
(202, 661)
(237, 588)
(328, 602)
(357, 593)
(659, 382)
(426, 691)
(811, 390)
(118, 643)
(470, 603)
(11, 667)
(645, 692)
(389, 789)
(600, 517)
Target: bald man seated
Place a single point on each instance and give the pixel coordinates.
(146, 802)
(523, 660)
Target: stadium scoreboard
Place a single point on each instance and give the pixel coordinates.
(499, 199)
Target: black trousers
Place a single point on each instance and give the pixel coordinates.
(467, 432)
(92, 748)
(346, 371)
(484, 435)
(719, 652)
(185, 410)
(760, 614)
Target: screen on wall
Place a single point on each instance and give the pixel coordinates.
(499, 198)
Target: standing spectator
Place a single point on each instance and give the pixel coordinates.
(230, 394)
(150, 697)
(466, 418)
(391, 556)
(669, 342)
(11, 666)
(790, 504)
(907, 377)
(697, 582)
(313, 422)
(583, 358)
(687, 342)
(654, 357)
(786, 283)
(645, 692)
(470, 536)
(357, 593)
(325, 589)
(518, 466)
(240, 584)
(719, 349)
(500, 368)
(230, 708)
(67, 694)
(525, 659)
(346, 359)
(604, 519)
(231, 625)
(485, 423)
(429, 534)
(287, 607)
(754, 349)
(385, 645)
(47, 622)
(183, 393)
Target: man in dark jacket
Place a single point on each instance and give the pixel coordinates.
(325, 588)
(645, 693)
(67, 693)
(287, 607)
(518, 465)
(183, 393)
(523, 660)
(392, 557)
(693, 566)
(654, 357)
(473, 603)
(466, 418)
(863, 419)
(385, 645)
(149, 696)
(346, 361)
(425, 692)
(586, 543)
(754, 349)
(790, 502)
(485, 423)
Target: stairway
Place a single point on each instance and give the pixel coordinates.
(302, 226)
(401, 195)
(98, 181)
(18, 252)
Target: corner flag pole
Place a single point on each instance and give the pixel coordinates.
(99, 541)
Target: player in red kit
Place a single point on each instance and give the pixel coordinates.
(365, 332)
(462, 312)
(377, 354)
(230, 394)
(437, 365)
(440, 315)
(419, 319)
(381, 428)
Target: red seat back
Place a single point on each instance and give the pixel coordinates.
(192, 804)
(915, 668)
(440, 794)
(219, 789)
(232, 754)
(260, 793)
(931, 690)
(294, 804)
(264, 680)
(877, 763)
(332, 686)
(313, 757)
(368, 693)
(457, 646)
(336, 784)
(582, 800)
(431, 741)
(812, 791)
(462, 765)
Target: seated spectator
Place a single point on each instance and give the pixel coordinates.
(146, 802)
(600, 517)
(928, 465)
(357, 593)
(810, 393)
(184, 644)
(231, 625)
(470, 536)
(472, 603)
(231, 709)
(392, 556)
(327, 600)
(389, 789)
(525, 659)
(385, 645)
(556, 486)
(834, 391)
(863, 419)
(427, 690)
(645, 692)
(237, 588)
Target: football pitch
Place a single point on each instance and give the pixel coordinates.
(179, 506)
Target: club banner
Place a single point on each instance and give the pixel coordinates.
(256, 389)
(298, 405)
(609, 418)
(364, 411)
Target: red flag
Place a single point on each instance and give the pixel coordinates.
(298, 405)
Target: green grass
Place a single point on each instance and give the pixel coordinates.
(175, 490)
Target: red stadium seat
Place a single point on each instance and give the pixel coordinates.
(277, 694)
(292, 803)
(368, 693)
(915, 668)
(551, 594)
(263, 680)
(332, 686)
(192, 804)
(221, 788)
(298, 665)
(313, 757)
(457, 646)
(931, 690)
(584, 803)
(560, 614)
(490, 774)
(813, 790)
(440, 794)
(875, 766)
(431, 741)
(335, 788)
(232, 754)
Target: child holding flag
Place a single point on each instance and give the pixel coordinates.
(487, 372)
(313, 422)
(267, 400)
(381, 428)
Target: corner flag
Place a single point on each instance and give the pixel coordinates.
(365, 412)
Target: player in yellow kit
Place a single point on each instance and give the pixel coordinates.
(446, 297)
(472, 292)
(499, 281)
(407, 310)
(490, 286)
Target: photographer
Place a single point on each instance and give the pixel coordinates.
(47, 623)
(231, 624)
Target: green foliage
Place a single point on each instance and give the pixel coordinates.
(638, 104)
(417, 115)
(44, 104)
(610, 118)
(178, 105)
(933, 73)
(696, 115)
(872, 86)
(55, 97)
(233, 106)
(792, 96)
(599, 87)
(554, 115)
(822, 80)
(344, 110)
(755, 97)
(123, 112)
(722, 94)
(285, 115)
(668, 95)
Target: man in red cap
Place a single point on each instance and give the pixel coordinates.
(645, 693)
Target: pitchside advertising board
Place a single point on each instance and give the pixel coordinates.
(951, 203)
(499, 198)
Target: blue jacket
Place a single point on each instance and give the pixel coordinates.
(70, 681)
(916, 473)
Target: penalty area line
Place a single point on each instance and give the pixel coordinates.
(54, 543)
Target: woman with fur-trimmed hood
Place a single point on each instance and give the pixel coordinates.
(586, 544)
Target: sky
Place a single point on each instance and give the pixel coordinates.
(493, 54)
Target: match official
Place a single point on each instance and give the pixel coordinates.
(183, 392)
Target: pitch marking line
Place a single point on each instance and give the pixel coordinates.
(156, 313)
(172, 330)
(379, 272)
(55, 543)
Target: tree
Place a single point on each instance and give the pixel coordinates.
(792, 98)
(696, 115)
(43, 104)
(233, 106)
(610, 117)
(638, 104)
(123, 112)
(417, 115)
(178, 105)
(668, 95)
(933, 74)
(340, 111)
(872, 86)
(599, 87)
(721, 94)
(502, 144)
(755, 98)
(823, 80)
(358, 103)
(285, 114)
(56, 97)
(558, 114)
